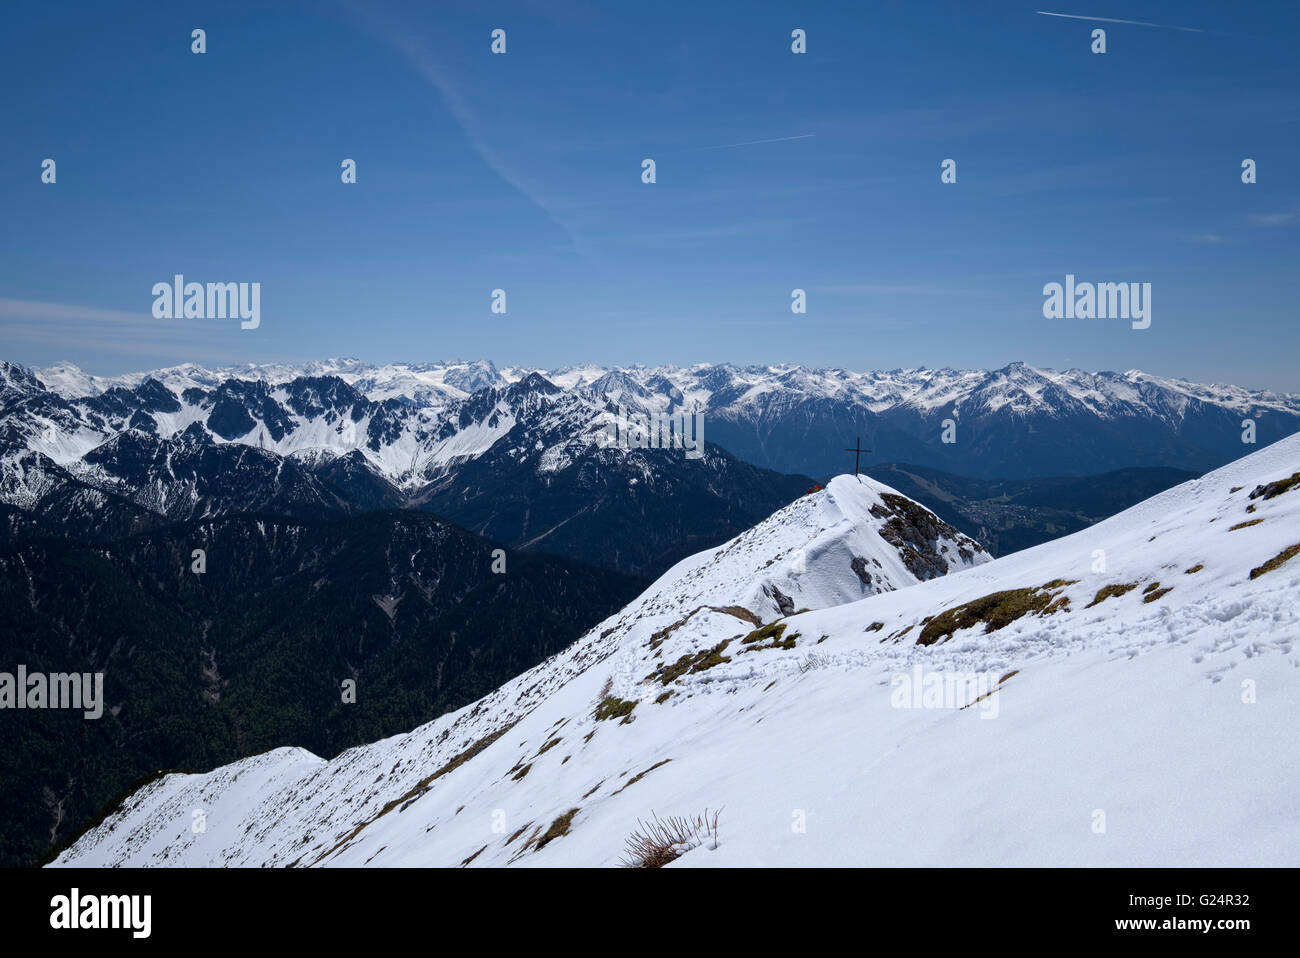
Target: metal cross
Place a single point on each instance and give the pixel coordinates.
(857, 451)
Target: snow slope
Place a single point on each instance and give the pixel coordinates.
(1152, 727)
(803, 557)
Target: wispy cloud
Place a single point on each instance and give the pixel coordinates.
(40, 324)
(706, 235)
(1207, 239)
(872, 289)
(894, 290)
(1275, 219)
(728, 146)
(418, 56)
(1135, 23)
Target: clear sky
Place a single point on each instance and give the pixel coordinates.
(522, 171)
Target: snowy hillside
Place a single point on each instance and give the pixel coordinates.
(1133, 699)
(853, 539)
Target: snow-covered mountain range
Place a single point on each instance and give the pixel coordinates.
(1126, 695)
(414, 421)
(526, 464)
(1019, 385)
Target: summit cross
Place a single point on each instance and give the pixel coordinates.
(857, 451)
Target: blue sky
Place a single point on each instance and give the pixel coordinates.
(523, 172)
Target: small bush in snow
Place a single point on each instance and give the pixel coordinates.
(814, 661)
(659, 841)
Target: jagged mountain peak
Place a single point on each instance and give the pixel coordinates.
(533, 382)
(17, 382)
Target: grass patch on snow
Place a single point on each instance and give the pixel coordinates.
(640, 775)
(995, 611)
(775, 632)
(699, 662)
(1115, 589)
(1153, 592)
(1289, 552)
(559, 828)
(612, 707)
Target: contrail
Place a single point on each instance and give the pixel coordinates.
(1135, 23)
(728, 146)
(777, 139)
(458, 105)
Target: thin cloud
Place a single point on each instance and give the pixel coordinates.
(1274, 219)
(1135, 23)
(728, 146)
(709, 234)
(775, 139)
(872, 289)
(462, 111)
(61, 326)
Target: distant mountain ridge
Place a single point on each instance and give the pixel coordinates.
(784, 417)
(519, 456)
(525, 465)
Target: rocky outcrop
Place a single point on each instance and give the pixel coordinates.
(915, 532)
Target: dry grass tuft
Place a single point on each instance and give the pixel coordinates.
(659, 841)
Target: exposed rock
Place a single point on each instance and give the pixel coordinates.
(859, 567)
(783, 601)
(915, 532)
